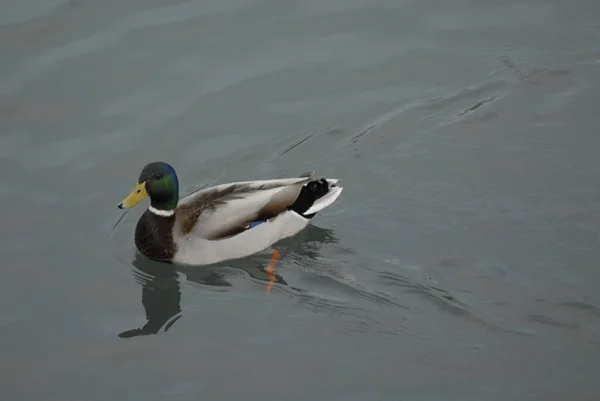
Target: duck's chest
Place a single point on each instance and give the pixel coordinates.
(154, 236)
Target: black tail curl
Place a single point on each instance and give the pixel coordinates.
(308, 195)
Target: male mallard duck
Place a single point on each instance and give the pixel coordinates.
(222, 222)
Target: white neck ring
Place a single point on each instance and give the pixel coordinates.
(163, 213)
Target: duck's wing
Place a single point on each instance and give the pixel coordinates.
(224, 210)
(201, 252)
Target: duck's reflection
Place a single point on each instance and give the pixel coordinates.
(161, 287)
(161, 295)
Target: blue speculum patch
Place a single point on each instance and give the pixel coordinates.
(255, 223)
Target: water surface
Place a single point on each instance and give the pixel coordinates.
(460, 262)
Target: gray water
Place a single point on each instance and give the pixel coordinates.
(460, 263)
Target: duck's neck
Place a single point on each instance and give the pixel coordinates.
(165, 206)
(161, 212)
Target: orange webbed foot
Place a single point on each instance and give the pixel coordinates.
(271, 270)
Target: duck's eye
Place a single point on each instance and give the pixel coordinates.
(158, 176)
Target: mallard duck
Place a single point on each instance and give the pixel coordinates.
(222, 222)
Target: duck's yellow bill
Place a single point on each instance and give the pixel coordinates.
(136, 196)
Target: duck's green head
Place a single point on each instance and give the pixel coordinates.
(157, 180)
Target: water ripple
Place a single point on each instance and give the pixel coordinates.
(113, 33)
